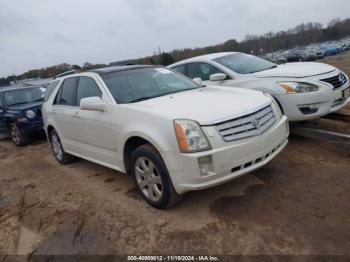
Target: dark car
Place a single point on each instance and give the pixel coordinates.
(20, 112)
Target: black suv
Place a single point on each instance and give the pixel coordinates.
(20, 112)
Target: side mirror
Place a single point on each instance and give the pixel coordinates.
(198, 80)
(92, 104)
(218, 77)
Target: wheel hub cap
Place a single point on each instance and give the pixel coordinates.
(148, 179)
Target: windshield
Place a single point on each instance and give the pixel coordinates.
(245, 64)
(24, 96)
(146, 83)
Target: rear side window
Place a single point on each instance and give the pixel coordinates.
(49, 90)
(67, 93)
(87, 87)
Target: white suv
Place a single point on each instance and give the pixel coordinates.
(169, 133)
(303, 90)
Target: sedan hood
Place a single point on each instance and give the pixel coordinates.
(296, 70)
(207, 105)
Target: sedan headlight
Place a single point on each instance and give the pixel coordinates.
(30, 114)
(298, 87)
(190, 136)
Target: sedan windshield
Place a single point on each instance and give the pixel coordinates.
(141, 84)
(24, 96)
(245, 64)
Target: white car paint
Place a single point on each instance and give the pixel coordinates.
(327, 98)
(101, 137)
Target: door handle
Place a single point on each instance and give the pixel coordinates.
(76, 115)
(54, 112)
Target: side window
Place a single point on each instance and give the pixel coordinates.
(180, 69)
(49, 90)
(87, 87)
(202, 70)
(1, 107)
(67, 93)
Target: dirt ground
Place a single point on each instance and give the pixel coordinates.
(296, 205)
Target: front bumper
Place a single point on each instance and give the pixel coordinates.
(327, 99)
(229, 162)
(31, 128)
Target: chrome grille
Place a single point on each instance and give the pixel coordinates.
(247, 126)
(335, 81)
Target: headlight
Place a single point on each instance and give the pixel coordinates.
(295, 87)
(190, 136)
(30, 114)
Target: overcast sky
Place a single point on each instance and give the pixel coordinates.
(40, 33)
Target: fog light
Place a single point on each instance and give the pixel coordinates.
(309, 109)
(206, 167)
(22, 120)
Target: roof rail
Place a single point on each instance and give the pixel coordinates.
(71, 72)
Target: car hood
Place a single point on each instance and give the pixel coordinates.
(34, 105)
(207, 105)
(296, 70)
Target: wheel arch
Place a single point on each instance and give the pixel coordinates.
(131, 144)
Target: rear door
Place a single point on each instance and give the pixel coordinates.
(63, 111)
(3, 128)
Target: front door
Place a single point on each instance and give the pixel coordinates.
(96, 137)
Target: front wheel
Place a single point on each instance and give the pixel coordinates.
(58, 151)
(152, 178)
(18, 138)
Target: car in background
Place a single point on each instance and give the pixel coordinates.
(303, 90)
(20, 113)
(171, 134)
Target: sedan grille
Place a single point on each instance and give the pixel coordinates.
(247, 126)
(336, 81)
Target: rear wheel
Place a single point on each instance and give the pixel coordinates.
(152, 178)
(18, 138)
(58, 151)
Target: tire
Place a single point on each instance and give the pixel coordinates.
(58, 151)
(152, 179)
(18, 138)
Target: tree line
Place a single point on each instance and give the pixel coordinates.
(303, 34)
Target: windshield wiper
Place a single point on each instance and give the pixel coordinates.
(141, 99)
(165, 94)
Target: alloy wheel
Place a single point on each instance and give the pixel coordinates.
(148, 179)
(56, 146)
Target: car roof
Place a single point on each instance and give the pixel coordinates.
(203, 58)
(113, 69)
(13, 88)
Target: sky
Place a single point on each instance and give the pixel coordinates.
(41, 33)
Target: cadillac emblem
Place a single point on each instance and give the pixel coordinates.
(342, 79)
(256, 123)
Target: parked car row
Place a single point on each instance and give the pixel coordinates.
(309, 53)
(197, 124)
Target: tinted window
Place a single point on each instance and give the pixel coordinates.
(245, 64)
(67, 95)
(180, 69)
(87, 87)
(202, 70)
(141, 84)
(50, 89)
